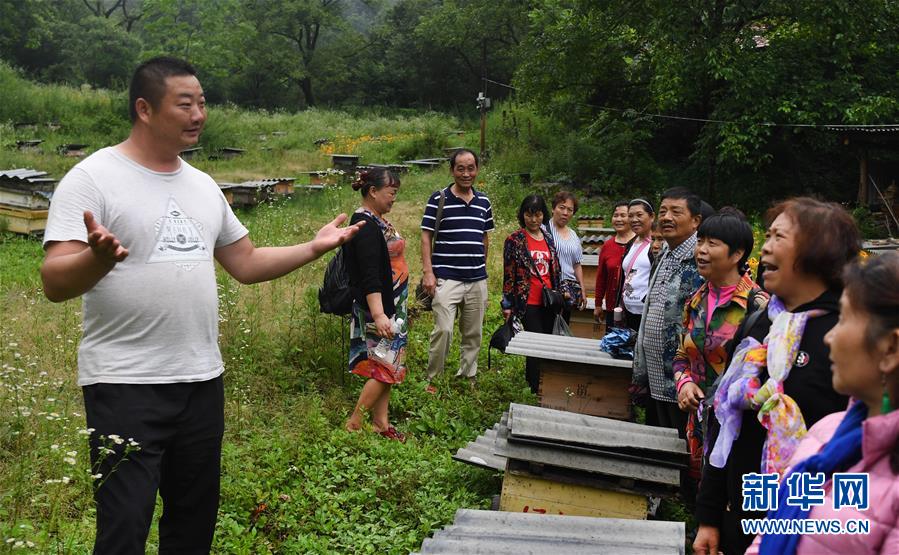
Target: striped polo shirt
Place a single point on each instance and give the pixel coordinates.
(459, 246)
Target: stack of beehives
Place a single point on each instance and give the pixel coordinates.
(25, 200)
(558, 462)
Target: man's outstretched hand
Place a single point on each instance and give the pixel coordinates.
(332, 235)
(102, 242)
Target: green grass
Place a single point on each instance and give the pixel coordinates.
(293, 481)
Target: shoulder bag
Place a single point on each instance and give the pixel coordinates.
(421, 295)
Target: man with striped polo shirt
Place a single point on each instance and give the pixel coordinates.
(455, 269)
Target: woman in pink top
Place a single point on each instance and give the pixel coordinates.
(864, 351)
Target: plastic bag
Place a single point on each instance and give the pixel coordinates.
(560, 327)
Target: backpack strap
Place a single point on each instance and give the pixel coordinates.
(438, 218)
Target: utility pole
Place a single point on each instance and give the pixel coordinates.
(483, 104)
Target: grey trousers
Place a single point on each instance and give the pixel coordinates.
(469, 299)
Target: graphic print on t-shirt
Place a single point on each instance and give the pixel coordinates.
(541, 261)
(178, 238)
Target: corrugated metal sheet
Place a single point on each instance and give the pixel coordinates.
(881, 245)
(596, 238)
(568, 349)
(480, 452)
(494, 532)
(590, 260)
(26, 179)
(653, 476)
(559, 426)
(267, 182)
(21, 174)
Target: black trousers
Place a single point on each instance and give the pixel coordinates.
(540, 320)
(179, 428)
(632, 320)
(670, 416)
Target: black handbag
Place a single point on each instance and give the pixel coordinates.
(501, 337)
(552, 299)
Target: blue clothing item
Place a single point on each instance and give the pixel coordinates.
(459, 246)
(842, 451)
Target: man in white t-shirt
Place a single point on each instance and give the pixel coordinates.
(135, 229)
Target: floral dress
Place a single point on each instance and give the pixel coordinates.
(363, 338)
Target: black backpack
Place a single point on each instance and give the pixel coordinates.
(334, 296)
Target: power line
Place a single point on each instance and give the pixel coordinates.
(835, 126)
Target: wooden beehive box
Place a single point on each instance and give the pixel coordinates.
(589, 266)
(591, 221)
(576, 376)
(558, 462)
(345, 162)
(23, 220)
(583, 323)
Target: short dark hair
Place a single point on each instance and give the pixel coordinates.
(730, 226)
(620, 202)
(454, 155)
(148, 81)
(532, 204)
(375, 178)
(694, 203)
(827, 238)
(562, 196)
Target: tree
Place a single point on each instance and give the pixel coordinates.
(289, 33)
(732, 68)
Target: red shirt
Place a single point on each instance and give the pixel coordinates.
(608, 273)
(540, 255)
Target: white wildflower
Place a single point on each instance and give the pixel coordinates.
(69, 460)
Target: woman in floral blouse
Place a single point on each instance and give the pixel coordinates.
(530, 264)
(713, 315)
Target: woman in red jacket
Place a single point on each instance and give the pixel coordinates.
(608, 272)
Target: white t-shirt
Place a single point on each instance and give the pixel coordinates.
(636, 281)
(154, 317)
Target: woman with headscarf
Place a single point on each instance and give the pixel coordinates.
(636, 265)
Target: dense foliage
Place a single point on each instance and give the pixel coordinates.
(731, 98)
